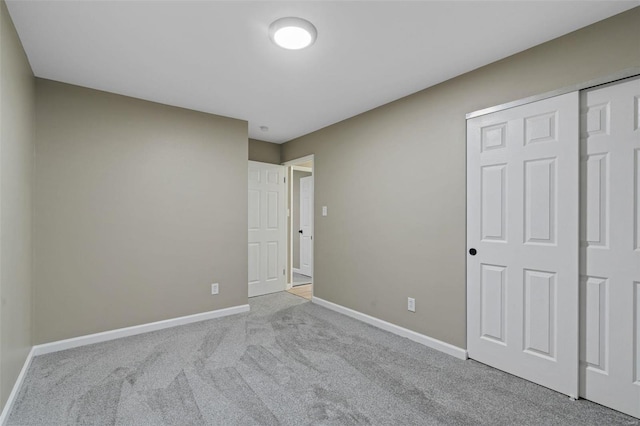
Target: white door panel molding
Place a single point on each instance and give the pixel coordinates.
(522, 228)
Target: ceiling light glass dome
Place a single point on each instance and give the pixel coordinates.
(292, 33)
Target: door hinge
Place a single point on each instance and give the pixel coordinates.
(285, 179)
(283, 273)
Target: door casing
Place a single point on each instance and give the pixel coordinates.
(293, 165)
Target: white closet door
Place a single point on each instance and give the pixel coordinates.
(267, 228)
(610, 246)
(522, 218)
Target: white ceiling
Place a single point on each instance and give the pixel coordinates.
(215, 56)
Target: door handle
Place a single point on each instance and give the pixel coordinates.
(300, 231)
(473, 251)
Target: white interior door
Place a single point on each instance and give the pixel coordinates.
(306, 225)
(610, 246)
(267, 228)
(522, 218)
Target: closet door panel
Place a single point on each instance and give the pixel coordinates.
(522, 222)
(610, 253)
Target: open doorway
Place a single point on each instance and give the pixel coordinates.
(300, 226)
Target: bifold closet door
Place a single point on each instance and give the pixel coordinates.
(610, 246)
(523, 235)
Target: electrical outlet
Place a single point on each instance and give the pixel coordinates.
(214, 288)
(411, 304)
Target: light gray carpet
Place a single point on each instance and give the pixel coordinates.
(286, 362)
(299, 279)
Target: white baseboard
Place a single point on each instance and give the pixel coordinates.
(16, 388)
(395, 329)
(159, 325)
(90, 339)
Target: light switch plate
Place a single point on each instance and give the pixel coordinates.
(324, 210)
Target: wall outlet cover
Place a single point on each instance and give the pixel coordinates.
(214, 288)
(411, 304)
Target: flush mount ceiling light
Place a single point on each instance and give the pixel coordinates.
(292, 33)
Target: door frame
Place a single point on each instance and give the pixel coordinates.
(292, 232)
(308, 180)
(292, 165)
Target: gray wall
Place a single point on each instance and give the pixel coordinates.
(265, 152)
(394, 180)
(139, 208)
(17, 115)
(296, 215)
